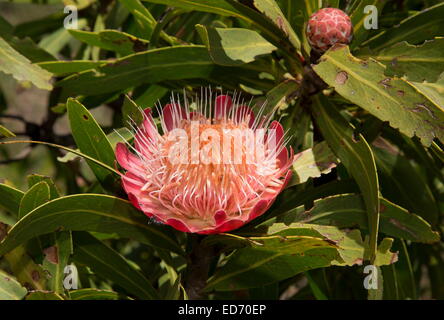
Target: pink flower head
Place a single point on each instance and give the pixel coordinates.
(212, 170)
(327, 27)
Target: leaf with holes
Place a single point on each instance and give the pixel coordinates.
(13, 63)
(364, 83)
(424, 62)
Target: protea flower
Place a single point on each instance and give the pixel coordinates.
(211, 170)
(327, 27)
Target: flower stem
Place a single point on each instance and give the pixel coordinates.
(199, 259)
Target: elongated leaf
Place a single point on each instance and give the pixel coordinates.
(10, 289)
(89, 212)
(358, 17)
(418, 63)
(146, 22)
(309, 7)
(150, 97)
(13, 63)
(234, 46)
(422, 26)
(5, 132)
(57, 40)
(252, 267)
(43, 295)
(59, 246)
(118, 135)
(34, 197)
(266, 16)
(347, 211)
(221, 7)
(170, 63)
(33, 179)
(313, 162)
(357, 157)
(25, 269)
(10, 198)
(56, 259)
(131, 112)
(93, 294)
(408, 190)
(91, 140)
(59, 68)
(283, 250)
(272, 11)
(352, 249)
(110, 265)
(390, 99)
(317, 291)
(277, 97)
(28, 48)
(112, 40)
(434, 93)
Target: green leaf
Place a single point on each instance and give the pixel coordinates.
(5, 132)
(93, 294)
(10, 198)
(10, 289)
(408, 190)
(114, 137)
(170, 63)
(283, 250)
(92, 141)
(317, 291)
(308, 7)
(151, 96)
(131, 112)
(30, 49)
(348, 211)
(253, 267)
(43, 295)
(59, 243)
(25, 269)
(13, 63)
(110, 265)
(357, 157)
(277, 97)
(52, 145)
(59, 68)
(56, 259)
(267, 17)
(221, 7)
(89, 212)
(145, 21)
(272, 11)
(434, 92)
(424, 62)
(234, 46)
(389, 99)
(423, 25)
(352, 249)
(377, 294)
(34, 197)
(111, 40)
(358, 17)
(313, 162)
(57, 40)
(33, 179)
